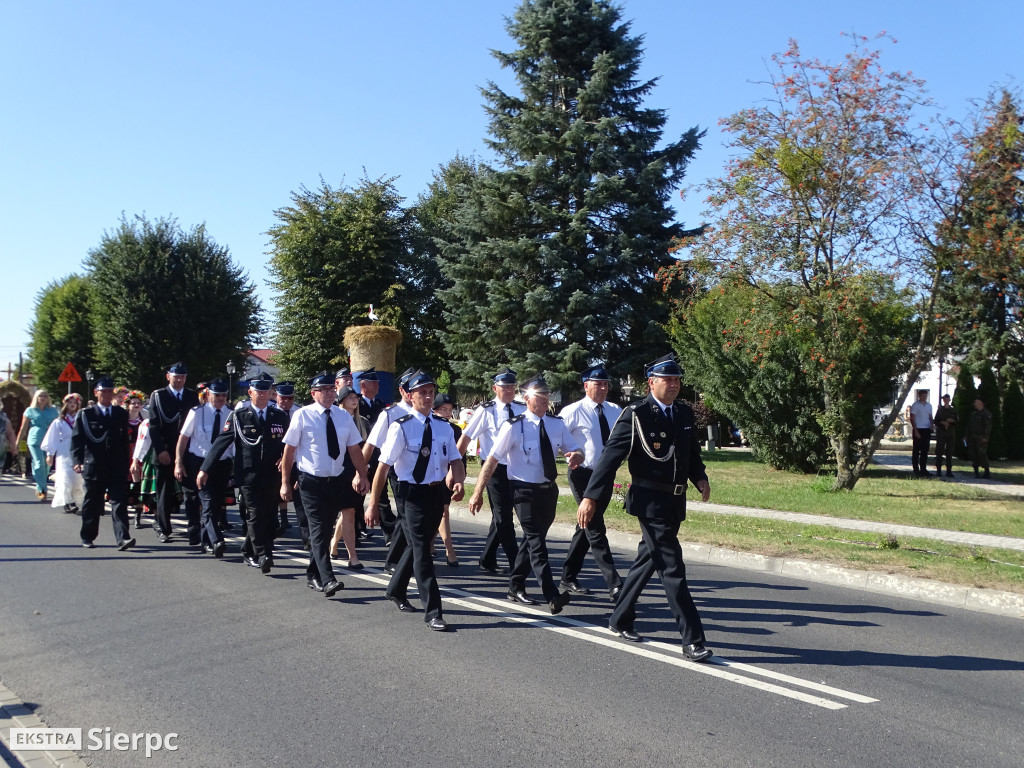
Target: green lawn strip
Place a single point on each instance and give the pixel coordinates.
(922, 558)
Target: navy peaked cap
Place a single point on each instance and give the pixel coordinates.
(505, 376)
(322, 379)
(595, 373)
(663, 366)
(219, 387)
(286, 388)
(179, 369)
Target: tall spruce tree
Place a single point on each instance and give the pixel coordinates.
(1013, 419)
(554, 252)
(988, 392)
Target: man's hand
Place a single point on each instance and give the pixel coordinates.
(458, 491)
(705, 489)
(371, 516)
(360, 485)
(575, 458)
(179, 472)
(476, 501)
(164, 458)
(286, 491)
(585, 512)
(201, 480)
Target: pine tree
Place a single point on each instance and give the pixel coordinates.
(963, 403)
(1013, 419)
(988, 392)
(554, 253)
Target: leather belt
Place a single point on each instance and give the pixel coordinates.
(675, 490)
(421, 485)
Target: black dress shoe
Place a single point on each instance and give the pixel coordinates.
(453, 563)
(614, 593)
(126, 544)
(314, 584)
(88, 544)
(164, 538)
(265, 564)
(331, 587)
(438, 624)
(389, 569)
(697, 652)
(520, 596)
(561, 600)
(251, 561)
(626, 634)
(490, 569)
(218, 549)
(573, 587)
(403, 605)
(335, 556)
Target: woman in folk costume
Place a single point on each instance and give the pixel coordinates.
(69, 488)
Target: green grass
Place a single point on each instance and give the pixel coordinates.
(882, 495)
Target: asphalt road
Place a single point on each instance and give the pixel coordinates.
(258, 670)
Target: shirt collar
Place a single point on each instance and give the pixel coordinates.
(663, 406)
(531, 417)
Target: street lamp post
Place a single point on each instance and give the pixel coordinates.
(231, 372)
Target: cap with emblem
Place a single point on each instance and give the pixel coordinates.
(178, 369)
(262, 384)
(104, 382)
(219, 387)
(370, 374)
(341, 372)
(663, 366)
(536, 386)
(595, 373)
(419, 379)
(404, 378)
(286, 388)
(443, 398)
(505, 376)
(322, 379)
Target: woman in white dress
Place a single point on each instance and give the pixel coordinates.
(69, 488)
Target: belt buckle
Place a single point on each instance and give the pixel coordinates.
(678, 490)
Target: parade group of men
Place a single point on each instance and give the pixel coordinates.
(279, 453)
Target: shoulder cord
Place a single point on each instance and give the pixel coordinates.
(241, 435)
(88, 432)
(647, 449)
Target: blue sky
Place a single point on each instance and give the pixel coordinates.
(213, 112)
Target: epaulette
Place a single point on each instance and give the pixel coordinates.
(393, 405)
(440, 418)
(404, 419)
(553, 416)
(489, 404)
(514, 419)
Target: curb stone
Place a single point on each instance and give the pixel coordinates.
(14, 714)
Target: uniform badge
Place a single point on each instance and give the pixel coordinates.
(424, 452)
(657, 446)
(662, 434)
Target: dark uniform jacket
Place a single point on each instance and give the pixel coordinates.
(166, 416)
(257, 450)
(659, 452)
(372, 411)
(101, 445)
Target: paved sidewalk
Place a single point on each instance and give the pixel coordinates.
(902, 462)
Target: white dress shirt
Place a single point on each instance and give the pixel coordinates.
(518, 445)
(486, 423)
(404, 441)
(580, 418)
(198, 427)
(307, 433)
(922, 413)
(384, 421)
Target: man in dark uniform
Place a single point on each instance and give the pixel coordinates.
(421, 447)
(168, 408)
(484, 426)
(945, 436)
(286, 402)
(256, 431)
(342, 379)
(101, 455)
(659, 440)
(370, 407)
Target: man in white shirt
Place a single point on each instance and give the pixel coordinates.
(590, 421)
(484, 426)
(921, 419)
(528, 445)
(421, 447)
(202, 426)
(317, 437)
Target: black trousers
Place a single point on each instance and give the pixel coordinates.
(945, 442)
(593, 538)
(535, 506)
(659, 514)
(211, 499)
(398, 541)
(167, 501)
(193, 505)
(300, 510)
(502, 531)
(260, 517)
(98, 485)
(321, 498)
(422, 510)
(919, 454)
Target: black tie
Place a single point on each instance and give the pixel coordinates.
(547, 455)
(263, 422)
(420, 470)
(508, 409)
(332, 438)
(602, 422)
(216, 425)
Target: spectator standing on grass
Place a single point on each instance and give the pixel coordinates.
(945, 436)
(921, 421)
(979, 430)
